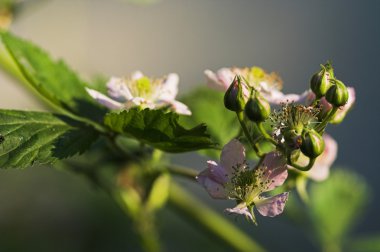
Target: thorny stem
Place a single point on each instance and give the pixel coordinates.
(198, 213)
(240, 116)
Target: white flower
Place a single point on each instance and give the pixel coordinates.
(139, 90)
(268, 84)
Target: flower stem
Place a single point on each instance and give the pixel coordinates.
(240, 116)
(265, 133)
(182, 171)
(209, 221)
(302, 168)
(321, 127)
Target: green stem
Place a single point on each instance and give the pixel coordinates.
(265, 133)
(182, 171)
(302, 168)
(209, 221)
(321, 127)
(240, 116)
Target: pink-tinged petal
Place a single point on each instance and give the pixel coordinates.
(275, 171)
(275, 96)
(213, 179)
(342, 111)
(225, 76)
(180, 108)
(220, 80)
(233, 156)
(104, 100)
(169, 88)
(118, 90)
(243, 210)
(272, 206)
(137, 75)
(321, 169)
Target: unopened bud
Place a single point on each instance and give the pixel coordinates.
(233, 98)
(337, 95)
(312, 143)
(257, 108)
(320, 81)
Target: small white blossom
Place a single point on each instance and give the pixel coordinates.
(139, 90)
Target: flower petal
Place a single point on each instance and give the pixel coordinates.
(213, 179)
(104, 100)
(180, 108)
(275, 171)
(321, 169)
(220, 80)
(272, 206)
(233, 156)
(118, 90)
(137, 75)
(242, 209)
(169, 88)
(275, 96)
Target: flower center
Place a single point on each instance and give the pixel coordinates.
(294, 117)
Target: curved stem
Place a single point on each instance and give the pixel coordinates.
(240, 116)
(265, 133)
(209, 221)
(302, 168)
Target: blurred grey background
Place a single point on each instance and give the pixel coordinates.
(113, 37)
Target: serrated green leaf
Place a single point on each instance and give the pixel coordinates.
(53, 80)
(207, 107)
(158, 129)
(336, 204)
(38, 137)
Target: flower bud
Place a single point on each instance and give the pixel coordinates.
(337, 94)
(233, 98)
(312, 143)
(257, 108)
(320, 83)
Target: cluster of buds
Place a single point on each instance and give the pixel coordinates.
(295, 128)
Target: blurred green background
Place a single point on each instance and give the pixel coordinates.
(43, 209)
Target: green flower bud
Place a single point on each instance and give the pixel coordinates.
(320, 81)
(337, 95)
(233, 98)
(312, 143)
(257, 108)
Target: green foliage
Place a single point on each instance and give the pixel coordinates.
(158, 129)
(53, 80)
(159, 192)
(207, 107)
(366, 244)
(335, 205)
(37, 137)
